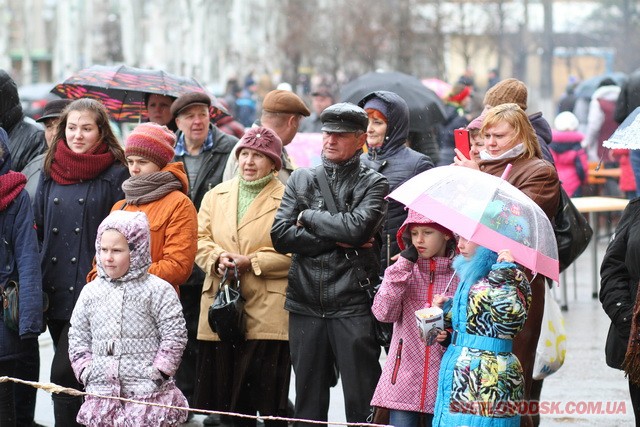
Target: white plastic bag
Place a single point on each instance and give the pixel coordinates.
(552, 345)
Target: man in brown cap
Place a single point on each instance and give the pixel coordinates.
(282, 111)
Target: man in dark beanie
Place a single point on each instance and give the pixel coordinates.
(334, 255)
(514, 91)
(25, 139)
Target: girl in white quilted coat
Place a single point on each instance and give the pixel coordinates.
(127, 332)
(409, 380)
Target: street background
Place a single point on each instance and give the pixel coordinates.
(584, 377)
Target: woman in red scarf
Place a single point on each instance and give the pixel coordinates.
(81, 180)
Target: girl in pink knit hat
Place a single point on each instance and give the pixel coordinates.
(159, 187)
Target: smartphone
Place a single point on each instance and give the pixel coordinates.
(461, 138)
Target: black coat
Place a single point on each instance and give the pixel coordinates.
(26, 140)
(322, 281)
(397, 163)
(455, 119)
(210, 173)
(543, 133)
(619, 275)
(629, 98)
(67, 220)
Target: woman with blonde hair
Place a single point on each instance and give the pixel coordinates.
(82, 177)
(509, 139)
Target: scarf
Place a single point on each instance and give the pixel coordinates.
(69, 167)
(631, 364)
(143, 189)
(513, 152)
(11, 184)
(333, 166)
(248, 191)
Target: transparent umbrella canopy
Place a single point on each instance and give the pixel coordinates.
(486, 210)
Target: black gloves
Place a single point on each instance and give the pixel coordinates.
(410, 253)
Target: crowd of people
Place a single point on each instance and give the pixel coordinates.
(132, 241)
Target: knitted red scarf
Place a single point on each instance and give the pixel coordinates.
(69, 167)
(11, 184)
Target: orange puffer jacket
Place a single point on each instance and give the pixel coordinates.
(173, 220)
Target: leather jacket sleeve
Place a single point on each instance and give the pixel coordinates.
(356, 226)
(286, 235)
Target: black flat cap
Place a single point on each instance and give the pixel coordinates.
(187, 100)
(53, 109)
(344, 117)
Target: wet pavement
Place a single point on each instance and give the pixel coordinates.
(577, 389)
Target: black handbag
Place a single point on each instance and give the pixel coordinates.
(572, 231)
(10, 305)
(381, 330)
(226, 315)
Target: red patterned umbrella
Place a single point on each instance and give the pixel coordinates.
(122, 89)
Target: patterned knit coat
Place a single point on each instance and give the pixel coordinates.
(127, 336)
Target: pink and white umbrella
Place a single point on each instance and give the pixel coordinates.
(486, 210)
(440, 87)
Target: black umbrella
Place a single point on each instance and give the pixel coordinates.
(426, 109)
(586, 88)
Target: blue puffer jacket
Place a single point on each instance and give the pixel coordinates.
(396, 162)
(19, 261)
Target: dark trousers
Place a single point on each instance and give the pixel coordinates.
(634, 392)
(186, 375)
(29, 370)
(7, 403)
(319, 343)
(65, 407)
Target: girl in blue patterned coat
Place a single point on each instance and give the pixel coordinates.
(481, 381)
(127, 332)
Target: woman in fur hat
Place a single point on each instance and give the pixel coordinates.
(234, 225)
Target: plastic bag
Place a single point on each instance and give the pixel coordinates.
(552, 344)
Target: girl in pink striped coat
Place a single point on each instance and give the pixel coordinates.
(409, 380)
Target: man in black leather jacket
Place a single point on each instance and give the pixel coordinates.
(26, 140)
(330, 321)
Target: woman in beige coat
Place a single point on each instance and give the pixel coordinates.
(234, 224)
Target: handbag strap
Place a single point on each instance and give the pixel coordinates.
(350, 253)
(225, 277)
(329, 201)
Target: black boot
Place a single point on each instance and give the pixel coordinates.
(65, 410)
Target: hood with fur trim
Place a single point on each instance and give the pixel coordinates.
(134, 226)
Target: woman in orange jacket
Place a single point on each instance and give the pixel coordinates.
(159, 189)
